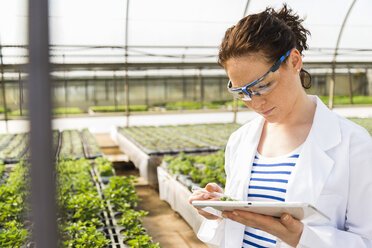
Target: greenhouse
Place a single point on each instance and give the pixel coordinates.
(117, 118)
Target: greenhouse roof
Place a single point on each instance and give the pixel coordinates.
(168, 31)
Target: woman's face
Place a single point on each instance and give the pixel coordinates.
(278, 103)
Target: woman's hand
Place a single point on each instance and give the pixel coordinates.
(287, 228)
(207, 194)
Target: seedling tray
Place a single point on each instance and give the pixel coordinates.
(148, 160)
(87, 152)
(111, 228)
(144, 162)
(7, 142)
(177, 195)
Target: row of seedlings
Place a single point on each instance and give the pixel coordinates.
(67, 144)
(162, 140)
(155, 140)
(81, 207)
(147, 145)
(178, 175)
(71, 145)
(191, 170)
(87, 217)
(14, 194)
(13, 147)
(91, 148)
(75, 145)
(5, 139)
(85, 214)
(121, 199)
(56, 145)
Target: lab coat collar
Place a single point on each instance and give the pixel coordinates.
(325, 130)
(314, 165)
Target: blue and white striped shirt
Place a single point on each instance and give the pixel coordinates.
(269, 180)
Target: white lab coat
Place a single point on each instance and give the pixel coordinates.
(333, 173)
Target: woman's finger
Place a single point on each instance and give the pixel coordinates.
(208, 215)
(291, 223)
(203, 196)
(267, 223)
(213, 187)
(196, 197)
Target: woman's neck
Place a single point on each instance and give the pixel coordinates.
(302, 113)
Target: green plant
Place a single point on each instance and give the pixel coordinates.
(201, 169)
(163, 139)
(77, 195)
(2, 168)
(90, 142)
(13, 235)
(13, 195)
(134, 233)
(143, 241)
(2, 110)
(226, 198)
(69, 111)
(85, 206)
(82, 234)
(71, 146)
(131, 223)
(220, 102)
(239, 103)
(104, 167)
(183, 105)
(13, 207)
(121, 193)
(56, 111)
(159, 104)
(15, 148)
(18, 112)
(119, 108)
(345, 100)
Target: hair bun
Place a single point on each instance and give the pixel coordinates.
(294, 22)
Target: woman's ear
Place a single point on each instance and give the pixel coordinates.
(295, 60)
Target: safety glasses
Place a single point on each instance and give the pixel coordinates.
(259, 87)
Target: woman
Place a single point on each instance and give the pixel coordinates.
(296, 151)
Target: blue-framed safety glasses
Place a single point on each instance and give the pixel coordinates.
(258, 87)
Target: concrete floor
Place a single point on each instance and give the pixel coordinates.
(163, 224)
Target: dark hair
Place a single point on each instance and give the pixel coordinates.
(271, 32)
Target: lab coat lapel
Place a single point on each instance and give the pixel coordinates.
(246, 151)
(314, 165)
(308, 179)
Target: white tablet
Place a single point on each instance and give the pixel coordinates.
(298, 210)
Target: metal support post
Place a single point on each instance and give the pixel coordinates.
(201, 85)
(3, 89)
(43, 201)
(20, 84)
(146, 91)
(106, 91)
(165, 89)
(350, 86)
(115, 92)
(127, 113)
(65, 86)
(86, 90)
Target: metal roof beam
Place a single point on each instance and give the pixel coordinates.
(333, 81)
